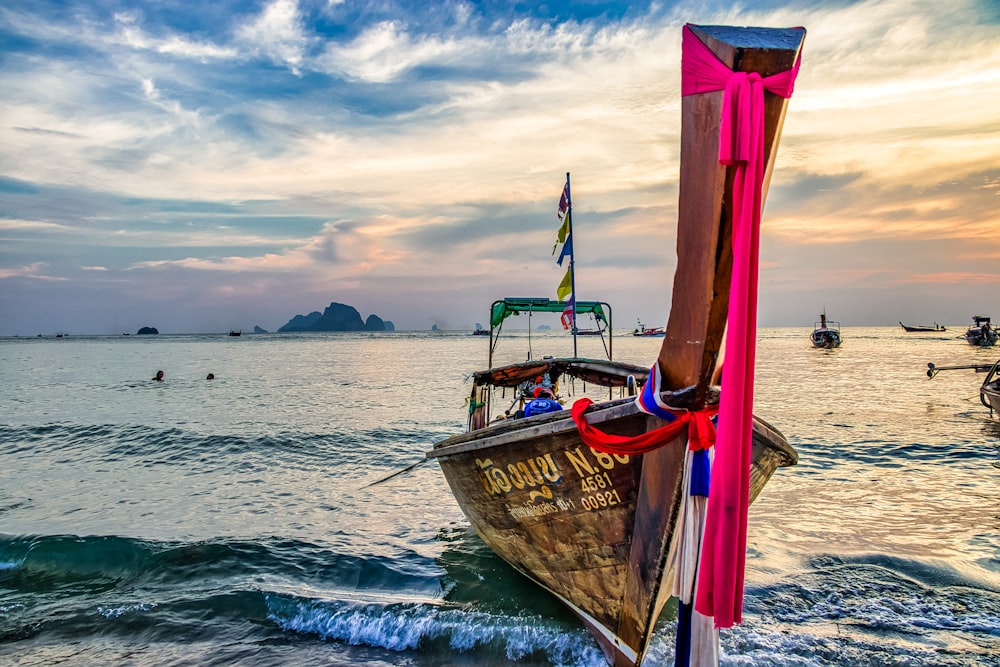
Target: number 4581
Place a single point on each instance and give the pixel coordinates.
(596, 482)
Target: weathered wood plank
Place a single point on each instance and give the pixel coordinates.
(700, 299)
(699, 306)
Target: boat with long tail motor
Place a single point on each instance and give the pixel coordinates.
(981, 333)
(825, 333)
(606, 505)
(922, 328)
(989, 390)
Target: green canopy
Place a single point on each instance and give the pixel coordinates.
(504, 308)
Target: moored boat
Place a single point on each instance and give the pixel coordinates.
(652, 332)
(981, 333)
(599, 504)
(915, 328)
(989, 390)
(826, 333)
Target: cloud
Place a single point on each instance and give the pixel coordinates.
(386, 50)
(339, 146)
(133, 36)
(31, 225)
(277, 33)
(953, 278)
(31, 271)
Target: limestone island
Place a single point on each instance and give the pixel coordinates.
(336, 317)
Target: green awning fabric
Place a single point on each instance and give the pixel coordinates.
(504, 308)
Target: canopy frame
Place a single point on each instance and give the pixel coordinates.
(509, 306)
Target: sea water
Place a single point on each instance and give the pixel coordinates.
(231, 521)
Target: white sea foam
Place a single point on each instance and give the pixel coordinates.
(116, 612)
(406, 627)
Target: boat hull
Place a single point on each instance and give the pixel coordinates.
(981, 333)
(825, 338)
(922, 328)
(978, 338)
(572, 519)
(989, 394)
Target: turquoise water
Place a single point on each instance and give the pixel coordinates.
(229, 521)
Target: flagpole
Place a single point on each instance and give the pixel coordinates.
(572, 270)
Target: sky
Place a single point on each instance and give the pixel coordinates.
(207, 166)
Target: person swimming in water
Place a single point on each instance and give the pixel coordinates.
(159, 376)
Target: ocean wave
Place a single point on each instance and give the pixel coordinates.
(68, 443)
(889, 452)
(933, 614)
(78, 564)
(431, 628)
(751, 645)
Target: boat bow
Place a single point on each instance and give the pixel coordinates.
(599, 528)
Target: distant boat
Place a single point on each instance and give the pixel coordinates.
(989, 390)
(600, 327)
(921, 327)
(981, 333)
(480, 331)
(826, 333)
(236, 332)
(653, 332)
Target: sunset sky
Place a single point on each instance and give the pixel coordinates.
(206, 166)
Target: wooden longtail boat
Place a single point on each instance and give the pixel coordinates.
(981, 333)
(826, 333)
(596, 529)
(989, 390)
(921, 328)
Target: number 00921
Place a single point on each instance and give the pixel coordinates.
(601, 500)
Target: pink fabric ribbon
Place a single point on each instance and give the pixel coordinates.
(723, 559)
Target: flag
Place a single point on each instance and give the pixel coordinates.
(567, 249)
(562, 235)
(565, 288)
(564, 213)
(567, 314)
(565, 236)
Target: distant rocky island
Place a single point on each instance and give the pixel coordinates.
(336, 317)
(145, 331)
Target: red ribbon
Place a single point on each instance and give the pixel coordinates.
(701, 432)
